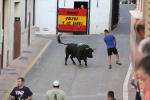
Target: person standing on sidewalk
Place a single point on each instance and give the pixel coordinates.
(111, 47)
(82, 7)
(143, 74)
(139, 27)
(137, 87)
(56, 93)
(144, 49)
(21, 92)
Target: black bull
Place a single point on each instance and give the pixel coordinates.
(81, 53)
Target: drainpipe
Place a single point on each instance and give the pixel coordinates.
(89, 16)
(57, 17)
(110, 15)
(2, 49)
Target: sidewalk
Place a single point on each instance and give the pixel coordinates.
(21, 66)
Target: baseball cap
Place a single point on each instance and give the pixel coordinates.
(56, 83)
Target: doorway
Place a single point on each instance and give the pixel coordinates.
(17, 39)
(77, 5)
(17, 30)
(115, 13)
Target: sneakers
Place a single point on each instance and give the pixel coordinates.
(110, 66)
(117, 62)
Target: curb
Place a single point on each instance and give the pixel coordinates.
(125, 84)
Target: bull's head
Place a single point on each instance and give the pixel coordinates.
(89, 52)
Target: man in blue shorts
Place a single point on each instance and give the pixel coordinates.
(111, 47)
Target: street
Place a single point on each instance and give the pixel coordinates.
(43, 62)
(91, 83)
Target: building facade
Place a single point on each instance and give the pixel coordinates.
(100, 14)
(146, 15)
(17, 27)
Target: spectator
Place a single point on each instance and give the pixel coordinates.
(111, 47)
(121, 1)
(144, 47)
(125, 2)
(136, 86)
(21, 92)
(82, 7)
(143, 72)
(110, 95)
(134, 1)
(129, 1)
(139, 28)
(56, 93)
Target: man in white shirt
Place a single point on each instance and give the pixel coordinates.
(56, 93)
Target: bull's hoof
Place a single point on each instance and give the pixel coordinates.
(65, 64)
(86, 66)
(74, 63)
(80, 65)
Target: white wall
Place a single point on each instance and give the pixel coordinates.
(99, 16)
(46, 15)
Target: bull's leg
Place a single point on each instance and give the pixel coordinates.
(71, 57)
(79, 60)
(85, 60)
(67, 55)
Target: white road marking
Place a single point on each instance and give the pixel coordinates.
(125, 85)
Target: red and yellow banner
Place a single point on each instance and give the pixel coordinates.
(72, 20)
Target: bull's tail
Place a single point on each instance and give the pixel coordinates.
(59, 41)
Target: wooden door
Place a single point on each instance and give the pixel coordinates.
(29, 29)
(17, 39)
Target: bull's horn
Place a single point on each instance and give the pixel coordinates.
(87, 48)
(59, 34)
(93, 48)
